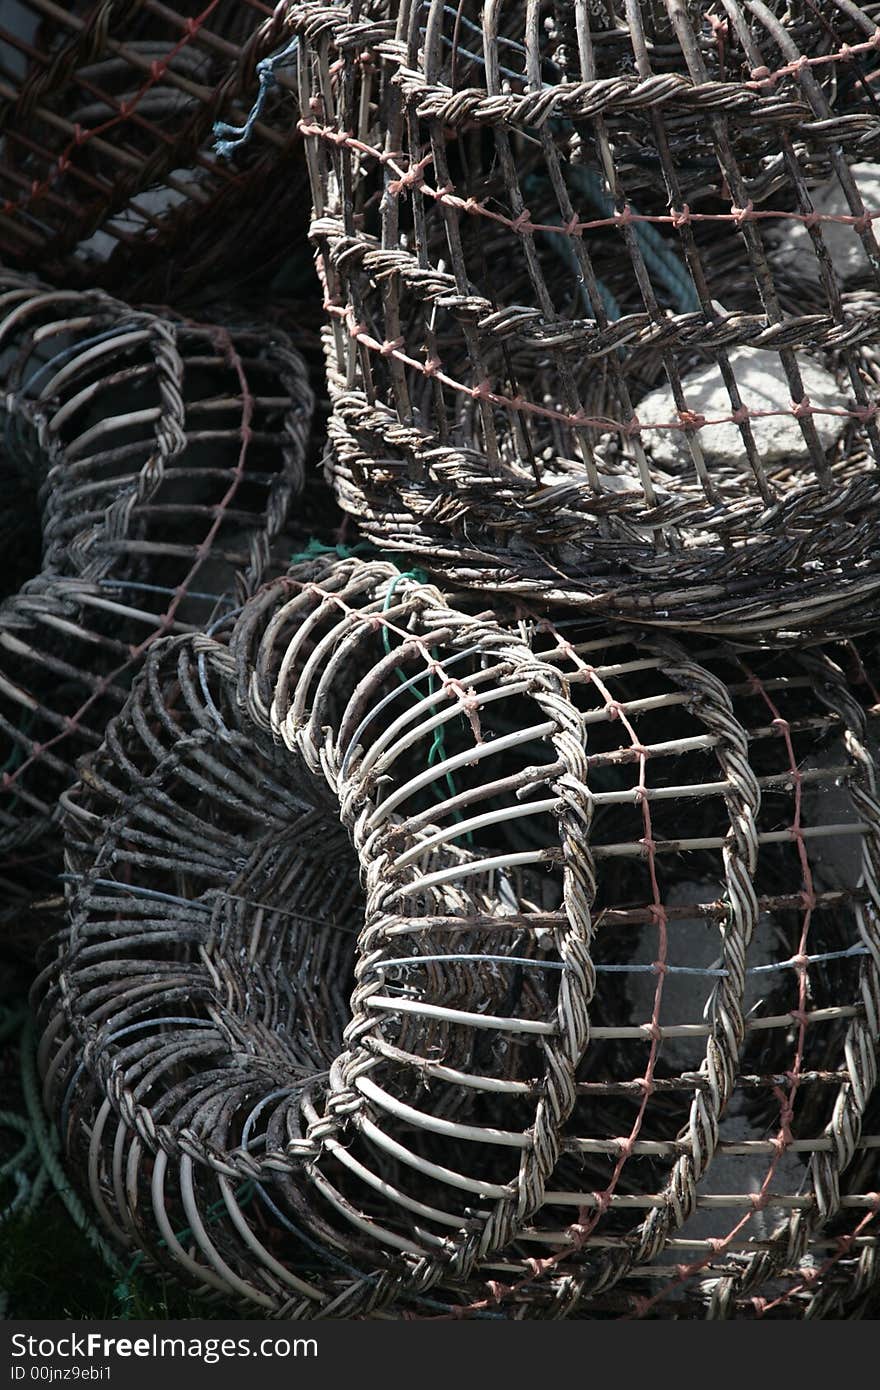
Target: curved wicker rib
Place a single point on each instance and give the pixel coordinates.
(163, 457)
(445, 830)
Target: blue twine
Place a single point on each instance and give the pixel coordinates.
(639, 968)
(161, 589)
(659, 257)
(229, 138)
(134, 890)
(12, 420)
(67, 354)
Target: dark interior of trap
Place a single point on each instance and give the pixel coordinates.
(138, 211)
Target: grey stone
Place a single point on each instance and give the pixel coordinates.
(696, 944)
(794, 252)
(763, 385)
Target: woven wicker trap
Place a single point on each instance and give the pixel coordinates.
(602, 296)
(159, 459)
(608, 1037)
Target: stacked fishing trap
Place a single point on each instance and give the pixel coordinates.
(471, 910)
(588, 337)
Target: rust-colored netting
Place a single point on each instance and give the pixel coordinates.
(152, 464)
(583, 1019)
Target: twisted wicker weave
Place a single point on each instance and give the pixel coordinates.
(160, 458)
(534, 222)
(107, 172)
(497, 1119)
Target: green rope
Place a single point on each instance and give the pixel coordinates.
(17, 1168)
(49, 1146)
(36, 1166)
(316, 548)
(437, 750)
(40, 1150)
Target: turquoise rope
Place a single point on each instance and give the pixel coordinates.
(560, 242)
(437, 751)
(36, 1164)
(16, 1167)
(658, 255)
(315, 549)
(662, 262)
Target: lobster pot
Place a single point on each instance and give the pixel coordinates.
(193, 783)
(157, 460)
(603, 1025)
(107, 167)
(602, 294)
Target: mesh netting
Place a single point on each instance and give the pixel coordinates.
(107, 169)
(602, 289)
(416, 962)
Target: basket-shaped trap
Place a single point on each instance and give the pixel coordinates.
(157, 460)
(108, 173)
(602, 295)
(612, 995)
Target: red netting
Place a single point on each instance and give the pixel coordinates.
(421, 958)
(152, 464)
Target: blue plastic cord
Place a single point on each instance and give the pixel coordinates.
(658, 255)
(639, 968)
(67, 354)
(229, 138)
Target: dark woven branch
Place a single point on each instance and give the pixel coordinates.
(108, 174)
